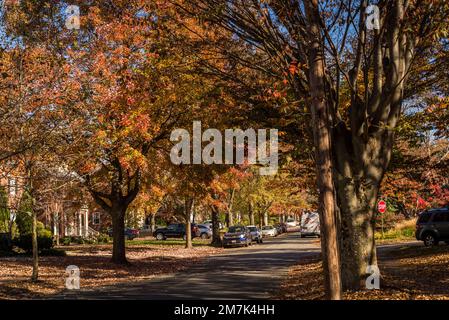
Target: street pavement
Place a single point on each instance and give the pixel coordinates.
(254, 272)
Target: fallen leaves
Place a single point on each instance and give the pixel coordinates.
(408, 273)
(146, 262)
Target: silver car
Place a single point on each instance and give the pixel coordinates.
(205, 231)
(256, 235)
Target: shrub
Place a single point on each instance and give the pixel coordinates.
(44, 241)
(24, 220)
(78, 240)
(5, 242)
(88, 241)
(66, 241)
(4, 212)
(102, 238)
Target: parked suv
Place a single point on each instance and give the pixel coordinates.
(433, 226)
(175, 230)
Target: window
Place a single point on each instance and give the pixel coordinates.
(96, 217)
(441, 216)
(424, 217)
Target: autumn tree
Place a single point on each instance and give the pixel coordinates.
(31, 101)
(132, 94)
(328, 52)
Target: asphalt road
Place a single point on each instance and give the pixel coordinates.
(239, 273)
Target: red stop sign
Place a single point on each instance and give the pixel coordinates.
(381, 206)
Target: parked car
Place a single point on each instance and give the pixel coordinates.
(130, 234)
(205, 231)
(269, 231)
(256, 234)
(208, 223)
(432, 226)
(291, 223)
(281, 228)
(310, 225)
(145, 231)
(237, 236)
(175, 230)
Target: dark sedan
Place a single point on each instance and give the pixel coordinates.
(237, 236)
(130, 234)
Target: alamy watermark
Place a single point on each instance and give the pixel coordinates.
(72, 282)
(373, 280)
(72, 21)
(250, 147)
(373, 17)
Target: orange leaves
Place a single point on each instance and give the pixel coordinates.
(293, 68)
(88, 167)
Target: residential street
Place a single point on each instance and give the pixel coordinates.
(241, 273)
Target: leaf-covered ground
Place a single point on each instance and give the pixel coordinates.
(408, 272)
(146, 262)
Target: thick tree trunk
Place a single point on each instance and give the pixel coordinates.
(216, 239)
(359, 171)
(118, 232)
(322, 141)
(357, 245)
(116, 203)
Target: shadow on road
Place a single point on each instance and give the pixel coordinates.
(239, 273)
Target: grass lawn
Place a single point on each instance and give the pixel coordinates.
(147, 260)
(403, 231)
(408, 272)
(168, 242)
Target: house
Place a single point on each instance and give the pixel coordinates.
(12, 185)
(61, 212)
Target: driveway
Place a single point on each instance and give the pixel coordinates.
(239, 273)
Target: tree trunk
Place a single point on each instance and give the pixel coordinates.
(230, 207)
(216, 239)
(189, 235)
(265, 218)
(153, 222)
(118, 231)
(35, 273)
(189, 204)
(357, 243)
(252, 221)
(357, 179)
(322, 141)
(230, 218)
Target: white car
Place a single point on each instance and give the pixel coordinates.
(269, 231)
(291, 223)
